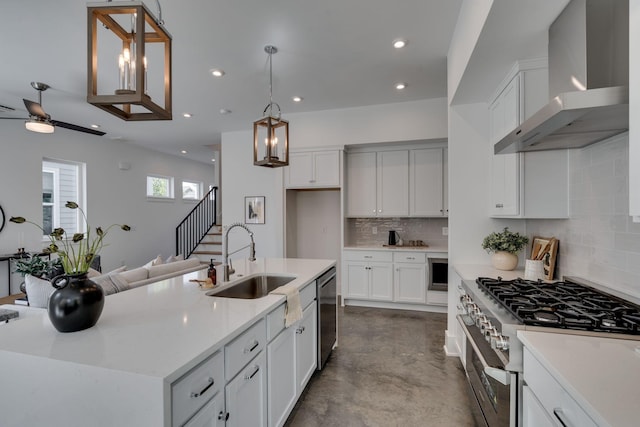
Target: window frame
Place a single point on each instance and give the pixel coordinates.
(149, 187)
(199, 194)
(80, 170)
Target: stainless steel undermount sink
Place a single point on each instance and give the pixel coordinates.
(252, 287)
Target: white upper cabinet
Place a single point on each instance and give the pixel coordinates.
(397, 183)
(313, 169)
(426, 182)
(533, 184)
(634, 110)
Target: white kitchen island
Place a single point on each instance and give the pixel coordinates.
(121, 371)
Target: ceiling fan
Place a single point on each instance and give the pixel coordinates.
(40, 121)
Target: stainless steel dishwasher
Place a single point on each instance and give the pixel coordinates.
(326, 315)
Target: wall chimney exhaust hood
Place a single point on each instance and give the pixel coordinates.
(588, 81)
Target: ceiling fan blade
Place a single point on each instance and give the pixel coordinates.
(35, 109)
(76, 127)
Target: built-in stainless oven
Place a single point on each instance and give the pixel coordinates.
(327, 315)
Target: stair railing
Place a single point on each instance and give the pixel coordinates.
(192, 229)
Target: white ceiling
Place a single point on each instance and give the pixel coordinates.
(333, 53)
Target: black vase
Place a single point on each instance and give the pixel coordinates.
(76, 304)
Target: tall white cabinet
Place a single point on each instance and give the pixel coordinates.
(634, 110)
(533, 184)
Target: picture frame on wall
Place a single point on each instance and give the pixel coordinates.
(254, 210)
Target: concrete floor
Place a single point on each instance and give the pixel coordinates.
(389, 370)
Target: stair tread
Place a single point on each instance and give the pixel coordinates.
(207, 252)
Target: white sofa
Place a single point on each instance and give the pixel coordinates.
(119, 280)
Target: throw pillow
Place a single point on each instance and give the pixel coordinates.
(107, 282)
(93, 273)
(38, 291)
(156, 261)
(174, 258)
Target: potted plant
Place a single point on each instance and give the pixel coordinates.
(77, 302)
(505, 246)
(38, 267)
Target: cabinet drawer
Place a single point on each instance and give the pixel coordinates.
(244, 348)
(308, 294)
(196, 387)
(275, 321)
(416, 257)
(368, 256)
(553, 397)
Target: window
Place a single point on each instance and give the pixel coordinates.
(62, 181)
(160, 187)
(191, 190)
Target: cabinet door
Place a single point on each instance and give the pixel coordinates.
(246, 395)
(326, 167)
(425, 182)
(211, 415)
(381, 281)
(281, 384)
(361, 184)
(357, 279)
(300, 170)
(505, 184)
(445, 181)
(306, 347)
(410, 283)
(393, 183)
(533, 414)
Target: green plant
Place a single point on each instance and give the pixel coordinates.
(37, 266)
(506, 241)
(76, 253)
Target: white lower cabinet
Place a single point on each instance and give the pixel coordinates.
(246, 395)
(369, 275)
(291, 357)
(549, 403)
(211, 415)
(409, 277)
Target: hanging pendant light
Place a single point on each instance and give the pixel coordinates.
(140, 41)
(271, 133)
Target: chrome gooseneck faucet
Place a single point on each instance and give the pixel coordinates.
(226, 264)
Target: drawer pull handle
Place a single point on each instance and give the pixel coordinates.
(410, 257)
(560, 416)
(499, 205)
(253, 347)
(253, 374)
(204, 390)
(368, 256)
(300, 330)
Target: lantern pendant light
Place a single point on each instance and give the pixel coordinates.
(128, 36)
(271, 132)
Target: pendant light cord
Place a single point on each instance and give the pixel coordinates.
(271, 50)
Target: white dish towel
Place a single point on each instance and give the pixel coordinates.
(293, 309)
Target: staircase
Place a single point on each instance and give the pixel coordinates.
(198, 233)
(211, 246)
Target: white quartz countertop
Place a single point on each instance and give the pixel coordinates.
(601, 374)
(473, 271)
(159, 330)
(440, 249)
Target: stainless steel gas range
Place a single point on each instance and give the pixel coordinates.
(491, 311)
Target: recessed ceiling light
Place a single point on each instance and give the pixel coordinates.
(225, 111)
(183, 151)
(187, 115)
(297, 99)
(401, 86)
(217, 72)
(399, 43)
(95, 126)
(213, 160)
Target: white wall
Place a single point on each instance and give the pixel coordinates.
(113, 195)
(374, 124)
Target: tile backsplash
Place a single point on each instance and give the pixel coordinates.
(598, 242)
(359, 231)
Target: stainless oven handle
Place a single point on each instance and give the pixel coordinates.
(500, 375)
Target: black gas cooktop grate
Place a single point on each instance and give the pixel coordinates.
(566, 305)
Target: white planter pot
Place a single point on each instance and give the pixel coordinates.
(504, 260)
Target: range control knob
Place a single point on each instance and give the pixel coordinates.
(502, 342)
(490, 334)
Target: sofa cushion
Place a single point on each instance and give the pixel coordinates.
(38, 291)
(124, 278)
(156, 261)
(110, 285)
(164, 269)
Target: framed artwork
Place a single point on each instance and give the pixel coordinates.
(254, 210)
(545, 249)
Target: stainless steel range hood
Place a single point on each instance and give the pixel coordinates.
(588, 81)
